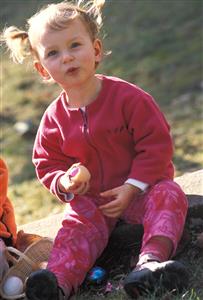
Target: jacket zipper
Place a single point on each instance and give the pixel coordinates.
(87, 135)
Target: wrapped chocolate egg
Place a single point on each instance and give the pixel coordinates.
(97, 275)
(79, 173)
(13, 286)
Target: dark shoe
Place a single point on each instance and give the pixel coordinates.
(156, 277)
(43, 285)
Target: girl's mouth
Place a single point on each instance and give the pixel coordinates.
(71, 70)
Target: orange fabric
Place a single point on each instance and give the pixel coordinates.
(7, 218)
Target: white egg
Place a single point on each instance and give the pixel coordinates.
(13, 286)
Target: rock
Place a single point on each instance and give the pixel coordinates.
(192, 185)
(25, 128)
(200, 240)
(45, 227)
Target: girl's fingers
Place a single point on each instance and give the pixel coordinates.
(74, 187)
(112, 209)
(80, 188)
(109, 193)
(86, 188)
(109, 205)
(112, 214)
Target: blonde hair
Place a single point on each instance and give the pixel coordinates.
(56, 17)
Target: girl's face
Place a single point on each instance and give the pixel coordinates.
(68, 56)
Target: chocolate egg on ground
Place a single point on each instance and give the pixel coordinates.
(97, 275)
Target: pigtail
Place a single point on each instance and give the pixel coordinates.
(17, 42)
(97, 6)
(93, 9)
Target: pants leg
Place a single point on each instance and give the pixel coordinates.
(79, 242)
(162, 211)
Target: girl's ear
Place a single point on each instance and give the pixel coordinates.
(41, 70)
(98, 50)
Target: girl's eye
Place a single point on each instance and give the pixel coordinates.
(75, 45)
(52, 53)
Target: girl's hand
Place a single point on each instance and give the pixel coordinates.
(122, 196)
(3, 261)
(67, 185)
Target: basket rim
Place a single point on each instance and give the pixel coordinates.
(23, 258)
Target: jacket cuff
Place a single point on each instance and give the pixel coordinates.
(64, 197)
(141, 185)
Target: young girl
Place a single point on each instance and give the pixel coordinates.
(7, 219)
(118, 133)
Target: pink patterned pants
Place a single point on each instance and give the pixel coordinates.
(85, 232)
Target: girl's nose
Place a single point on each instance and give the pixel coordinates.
(67, 56)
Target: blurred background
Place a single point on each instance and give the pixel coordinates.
(155, 44)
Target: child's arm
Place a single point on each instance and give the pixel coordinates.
(3, 261)
(152, 141)
(7, 217)
(50, 163)
(153, 153)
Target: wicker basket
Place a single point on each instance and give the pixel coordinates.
(25, 263)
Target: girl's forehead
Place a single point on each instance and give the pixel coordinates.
(74, 27)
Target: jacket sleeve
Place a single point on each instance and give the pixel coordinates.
(153, 146)
(48, 158)
(7, 218)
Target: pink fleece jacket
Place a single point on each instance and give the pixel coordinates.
(122, 134)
